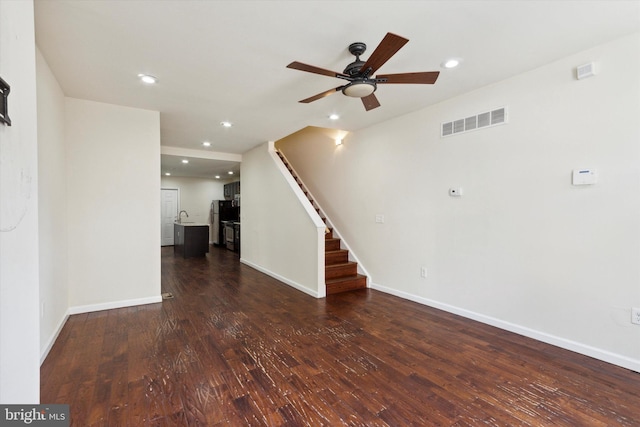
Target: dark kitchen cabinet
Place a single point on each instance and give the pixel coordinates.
(231, 189)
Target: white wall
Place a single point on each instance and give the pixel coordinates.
(113, 161)
(19, 329)
(52, 205)
(196, 195)
(522, 248)
(279, 236)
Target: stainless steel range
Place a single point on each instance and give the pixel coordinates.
(232, 235)
(229, 235)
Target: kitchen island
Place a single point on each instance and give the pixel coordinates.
(190, 239)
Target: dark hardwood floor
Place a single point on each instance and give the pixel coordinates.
(235, 347)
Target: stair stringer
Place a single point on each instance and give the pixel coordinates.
(343, 243)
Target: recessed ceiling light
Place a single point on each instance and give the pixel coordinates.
(185, 161)
(217, 176)
(230, 172)
(334, 117)
(148, 79)
(206, 144)
(226, 124)
(451, 63)
(167, 173)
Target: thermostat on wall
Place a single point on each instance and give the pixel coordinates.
(584, 177)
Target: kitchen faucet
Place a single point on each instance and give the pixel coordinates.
(180, 216)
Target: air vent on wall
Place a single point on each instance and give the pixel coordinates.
(479, 121)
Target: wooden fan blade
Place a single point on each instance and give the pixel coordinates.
(315, 70)
(370, 102)
(389, 45)
(321, 95)
(427, 77)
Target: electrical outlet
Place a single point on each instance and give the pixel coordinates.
(635, 315)
(423, 272)
(379, 218)
(455, 191)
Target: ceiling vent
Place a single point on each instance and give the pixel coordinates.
(479, 121)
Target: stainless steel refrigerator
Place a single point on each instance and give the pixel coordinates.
(222, 210)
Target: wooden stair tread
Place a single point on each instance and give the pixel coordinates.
(340, 269)
(336, 251)
(345, 284)
(343, 264)
(342, 279)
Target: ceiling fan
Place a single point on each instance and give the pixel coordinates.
(359, 74)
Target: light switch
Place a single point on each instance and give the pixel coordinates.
(379, 218)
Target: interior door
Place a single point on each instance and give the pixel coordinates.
(169, 213)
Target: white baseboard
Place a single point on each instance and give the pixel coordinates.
(114, 304)
(596, 353)
(291, 283)
(44, 352)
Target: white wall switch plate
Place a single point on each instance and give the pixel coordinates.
(584, 177)
(379, 218)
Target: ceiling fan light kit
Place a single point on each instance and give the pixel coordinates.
(359, 89)
(359, 73)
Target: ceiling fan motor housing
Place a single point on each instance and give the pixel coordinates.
(354, 68)
(360, 86)
(355, 49)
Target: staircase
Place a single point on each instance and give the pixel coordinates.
(340, 274)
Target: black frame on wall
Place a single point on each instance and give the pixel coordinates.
(4, 104)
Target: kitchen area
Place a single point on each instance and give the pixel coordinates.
(196, 219)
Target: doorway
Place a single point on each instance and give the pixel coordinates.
(168, 214)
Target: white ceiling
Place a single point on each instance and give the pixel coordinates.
(199, 167)
(226, 60)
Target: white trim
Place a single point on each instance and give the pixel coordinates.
(596, 353)
(291, 283)
(200, 154)
(45, 352)
(114, 304)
